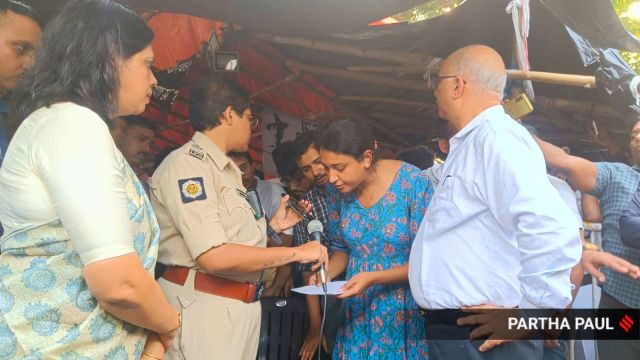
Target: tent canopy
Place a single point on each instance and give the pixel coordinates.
(316, 83)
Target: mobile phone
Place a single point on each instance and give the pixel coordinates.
(295, 205)
(518, 106)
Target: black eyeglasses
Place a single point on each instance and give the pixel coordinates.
(436, 80)
(291, 180)
(254, 121)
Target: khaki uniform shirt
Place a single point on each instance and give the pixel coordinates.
(195, 196)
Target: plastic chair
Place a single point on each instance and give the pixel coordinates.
(284, 324)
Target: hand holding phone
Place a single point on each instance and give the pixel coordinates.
(299, 209)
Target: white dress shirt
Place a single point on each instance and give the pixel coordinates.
(568, 196)
(496, 231)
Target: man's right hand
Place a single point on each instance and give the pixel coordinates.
(310, 344)
(592, 261)
(313, 252)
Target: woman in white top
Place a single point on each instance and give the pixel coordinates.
(80, 237)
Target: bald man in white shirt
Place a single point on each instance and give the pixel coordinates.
(496, 232)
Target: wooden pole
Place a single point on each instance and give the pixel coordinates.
(406, 69)
(582, 107)
(584, 81)
(276, 85)
(386, 100)
(346, 74)
(388, 132)
(410, 60)
(262, 48)
(378, 54)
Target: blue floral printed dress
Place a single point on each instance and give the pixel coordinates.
(383, 322)
(46, 308)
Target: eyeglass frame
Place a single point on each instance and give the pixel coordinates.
(254, 121)
(286, 180)
(436, 80)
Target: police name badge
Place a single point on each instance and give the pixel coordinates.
(196, 154)
(192, 190)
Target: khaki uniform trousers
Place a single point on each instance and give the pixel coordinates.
(213, 327)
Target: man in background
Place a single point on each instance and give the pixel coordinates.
(277, 281)
(20, 33)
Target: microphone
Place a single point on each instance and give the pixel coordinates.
(314, 228)
(254, 201)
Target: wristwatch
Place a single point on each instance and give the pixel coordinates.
(273, 235)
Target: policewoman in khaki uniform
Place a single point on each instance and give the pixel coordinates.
(213, 246)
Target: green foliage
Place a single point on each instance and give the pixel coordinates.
(428, 10)
(632, 24)
(435, 8)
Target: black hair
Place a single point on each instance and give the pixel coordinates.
(284, 159)
(418, 156)
(349, 137)
(20, 8)
(211, 97)
(303, 142)
(162, 155)
(78, 58)
(243, 154)
(141, 121)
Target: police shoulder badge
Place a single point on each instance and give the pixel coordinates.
(192, 189)
(196, 153)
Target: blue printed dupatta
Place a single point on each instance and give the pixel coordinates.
(46, 308)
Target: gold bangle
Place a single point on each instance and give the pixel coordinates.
(170, 332)
(150, 355)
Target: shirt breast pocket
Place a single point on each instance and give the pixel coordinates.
(233, 204)
(444, 209)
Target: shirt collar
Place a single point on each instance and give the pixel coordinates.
(219, 158)
(479, 119)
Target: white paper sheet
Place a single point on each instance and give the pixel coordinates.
(333, 288)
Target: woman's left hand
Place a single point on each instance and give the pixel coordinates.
(285, 217)
(357, 285)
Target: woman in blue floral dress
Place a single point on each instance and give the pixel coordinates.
(374, 209)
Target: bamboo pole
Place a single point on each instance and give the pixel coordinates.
(263, 82)
(585, 81)
(386, 100)
(406, 69)
(411, 59)
(262, 48)
(378, 54)
(582, 107)
(346, 74)
(390, 133)
(276, 85)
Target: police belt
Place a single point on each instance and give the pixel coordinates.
(245, 292)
